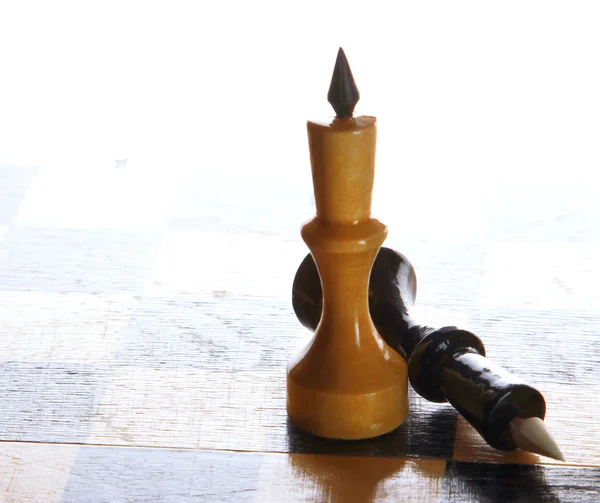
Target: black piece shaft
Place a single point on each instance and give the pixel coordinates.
(445, 364)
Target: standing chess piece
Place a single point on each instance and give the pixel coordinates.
(347, 383)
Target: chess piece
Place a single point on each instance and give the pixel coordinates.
(445, 364)
(347, 383)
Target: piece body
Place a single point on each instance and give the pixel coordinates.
(446, 364)
(347, 383)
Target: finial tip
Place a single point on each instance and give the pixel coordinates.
(532, 435)
(343, 93)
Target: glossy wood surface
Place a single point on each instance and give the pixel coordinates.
(118, 340)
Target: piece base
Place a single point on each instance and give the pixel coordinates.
(347, 416)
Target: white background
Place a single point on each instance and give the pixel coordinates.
(471, 97)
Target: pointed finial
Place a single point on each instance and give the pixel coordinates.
(343, 93)
(532, 435)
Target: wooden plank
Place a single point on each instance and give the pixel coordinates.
(33, 473)
(542, 345)
(93, 474)
(217, 332)
(70, 260)
(49, 402)
(63, 328)
(200, 262)
(209, 372)
(498, 483)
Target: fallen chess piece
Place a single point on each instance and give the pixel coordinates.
(445, 364)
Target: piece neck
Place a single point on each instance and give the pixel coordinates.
(342, 154)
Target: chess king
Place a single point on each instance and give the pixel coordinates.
(347, 383)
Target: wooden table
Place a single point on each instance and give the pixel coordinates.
(146, 325)
(149, 236)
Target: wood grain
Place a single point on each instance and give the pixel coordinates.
(91, 474)
(70, 260)
(64, 327)
(49, 402)
(55, 473)
(491, 483)
(30, 473)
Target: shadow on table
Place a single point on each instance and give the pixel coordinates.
(430, 434)
(495, 483)
(427, 434)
